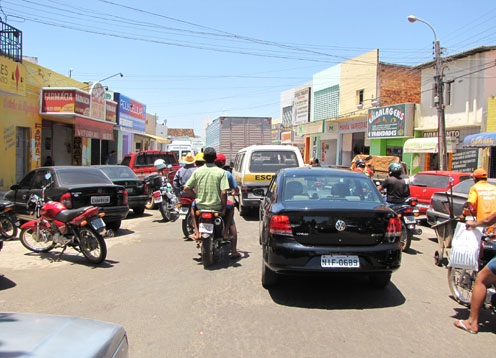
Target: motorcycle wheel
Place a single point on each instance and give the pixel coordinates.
(7, 227)
(406, 238)
(28, 240)
(207, 251)
(92, 245)
(461, 282)
(188, 227)
(166, 214)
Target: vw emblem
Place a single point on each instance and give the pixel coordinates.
(340, 225)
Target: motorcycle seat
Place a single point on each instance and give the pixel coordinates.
(5, 204)
(69, 214)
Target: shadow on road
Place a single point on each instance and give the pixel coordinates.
(487, 323)
(5, 283)
(335, 293)
(71, 257)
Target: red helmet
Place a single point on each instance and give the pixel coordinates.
(220, 160)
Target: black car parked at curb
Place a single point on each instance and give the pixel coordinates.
(135, 187)
(74, 187)
(327, 221)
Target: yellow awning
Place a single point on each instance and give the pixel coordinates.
(158, 139)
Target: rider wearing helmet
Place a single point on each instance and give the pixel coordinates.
(397, 189)
(481, 198)
(360, 167)
(199, 160)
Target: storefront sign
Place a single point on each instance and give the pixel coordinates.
(302, 106)
(58, 100)
(111, 111)
(130, 114)
(455, 135)
(12, 77)
(82, 103)
(309, 128)
(97, 108)
(387, 122)
(93, 129)
(465, 160)
(359, 125)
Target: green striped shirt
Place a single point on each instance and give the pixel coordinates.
(209, 180)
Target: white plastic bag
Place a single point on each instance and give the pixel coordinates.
(465, 248)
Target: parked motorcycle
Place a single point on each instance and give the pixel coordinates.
(407, 212)
(8, 220)
(185, 213)
(55, 225)
(163, 195)
(461, 281)
(211, 242)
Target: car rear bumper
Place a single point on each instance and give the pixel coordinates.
(289, 256)
(115, 212)
(137, 201)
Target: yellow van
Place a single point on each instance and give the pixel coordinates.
(255, 166)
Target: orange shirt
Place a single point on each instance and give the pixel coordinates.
(482, 196)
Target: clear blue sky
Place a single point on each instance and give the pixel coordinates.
(189, 60)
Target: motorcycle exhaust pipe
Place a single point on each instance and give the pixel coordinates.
(218, 221)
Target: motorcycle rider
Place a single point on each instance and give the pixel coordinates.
(485, 278)
(210, 186)
(183, 174)
(397, 188)
(361, 167)
(481, 200)
(199, 160)
(220, 161)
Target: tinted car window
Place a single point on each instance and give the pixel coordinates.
(126, 160)
(122, 172)
(431, 181)
(272, 161)
(39, 179)
(26, 181)
(89, 176)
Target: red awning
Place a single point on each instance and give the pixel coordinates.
(93, 129)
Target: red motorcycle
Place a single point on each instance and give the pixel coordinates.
(55, 225)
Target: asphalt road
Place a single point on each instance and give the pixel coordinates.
(155, 286)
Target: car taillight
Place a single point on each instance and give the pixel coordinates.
(280, 225)
(146, 189)
(407, 211)
(413, 203)
(124, 201)
(393, 229)
(66, 200)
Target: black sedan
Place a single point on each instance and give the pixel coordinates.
(135, 187)
(319, 220)
(439, 209)
(74, 187)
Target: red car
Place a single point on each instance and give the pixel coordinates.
(424, 184)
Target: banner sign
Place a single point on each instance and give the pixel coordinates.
(302, 105)
(93, 129)
(353, 126)
(465, 160)
(387, 122)
(130, 113)
(82, 103)
(58, 100)
(97, 107)
(111, 111)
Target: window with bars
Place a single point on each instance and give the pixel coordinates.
(326, 103)
(10, 42)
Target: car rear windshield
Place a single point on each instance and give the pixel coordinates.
(331, 188)
(430, 181)
(120, 172)
(78, 176)
(272, 161)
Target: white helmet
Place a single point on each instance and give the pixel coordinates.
(159, 164)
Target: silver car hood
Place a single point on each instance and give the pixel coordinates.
(43, 335)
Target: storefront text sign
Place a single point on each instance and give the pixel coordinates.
(354, 126)
(12, 77)
(82, 103)
(309, 128)
(130, 113)
(58, 100)
(111, 111)
(302, 105)
(387, 122)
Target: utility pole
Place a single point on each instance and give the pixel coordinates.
(438, 98)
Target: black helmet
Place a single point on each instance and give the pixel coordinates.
(395, 169)
(360, 163)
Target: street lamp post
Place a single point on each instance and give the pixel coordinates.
(438, 98)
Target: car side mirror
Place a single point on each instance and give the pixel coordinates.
(15, 187)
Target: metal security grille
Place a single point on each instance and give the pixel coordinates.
(326, 103)
(10, 42)
(287, 116)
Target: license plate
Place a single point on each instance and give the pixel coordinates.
(206, 228)
(130, 190)
(410, 220)
(335, 261)
(100, 199)
(157, 196)
(183, 211)
(97, 223)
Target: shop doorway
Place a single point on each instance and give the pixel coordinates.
(22, 152)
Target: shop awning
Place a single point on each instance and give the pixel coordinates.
(481, 140)
(95, 129)
(427, 145)
(158, 139)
